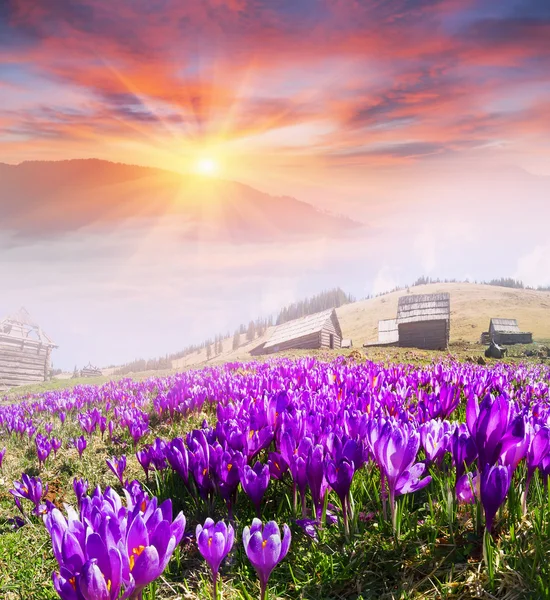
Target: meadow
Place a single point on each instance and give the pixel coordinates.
(385, 480)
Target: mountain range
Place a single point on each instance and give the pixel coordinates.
(41, 198)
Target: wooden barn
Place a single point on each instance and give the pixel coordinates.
(507, 332)
(423, 321)
(388, 332)
(321, 330)
(25, 351)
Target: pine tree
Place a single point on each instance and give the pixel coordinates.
(236, 339)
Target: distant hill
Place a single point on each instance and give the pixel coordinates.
(52, 197)
(472, 306)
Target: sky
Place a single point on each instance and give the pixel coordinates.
(426, 120)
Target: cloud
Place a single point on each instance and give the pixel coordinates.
(533, 268)
(384, 281)
(147, 74)
(425, 247)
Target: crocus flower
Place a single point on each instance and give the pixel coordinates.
(395, 452)
(144, 459)
(2, 454)
(255, 481)
(309, 527)
(495, 483)
(467, 488)
(151, 539)
(265, 549)
(56, 444)
(29, 488)
(215, 542)
(539, 448)
(43, 448)
(107, 549)
(80, 487)
(117, 466)
(80, 444)
(340, 475)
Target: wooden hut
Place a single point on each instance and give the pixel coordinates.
(423, 321)
(321, 330)
(346, 343)
(507, 331)
(388, 332)
(90, 371)
(25, 351)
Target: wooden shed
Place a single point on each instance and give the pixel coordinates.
(388, 332)
(25, 351)
(423, 321)
(90, 371)
(321, 330)
(507, 331)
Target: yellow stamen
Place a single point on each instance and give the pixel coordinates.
(251, 434)
(210, 541)
(72, 581)
(264, 543)
(229, 467)
(143, 506)
(135, 552)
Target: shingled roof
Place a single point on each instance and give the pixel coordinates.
(298, 328)
(20, 326)
(504, 325)
(423, 307)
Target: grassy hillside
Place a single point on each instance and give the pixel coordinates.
(472, 305)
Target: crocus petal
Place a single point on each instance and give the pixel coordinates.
(146, 567)
(92, 583)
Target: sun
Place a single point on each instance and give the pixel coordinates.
(207, 166)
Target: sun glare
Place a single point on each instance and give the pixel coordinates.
(207, 166)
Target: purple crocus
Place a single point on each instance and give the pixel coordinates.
(29, 488)
(2, 454)
(56, 444)
(255, 481)
(80, 487)
(395, 452)
(117, 466)
(150, 541)
(495, 483)
(107, 549)
(265, 549)
(539, 449)
(340, 475)
(43, 448)
(80, 444)
(144, 459)
(215, 541)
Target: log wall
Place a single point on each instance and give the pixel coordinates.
(22, 362)
(428, 335)
(327, 330)
(307, 342)
(509, 339)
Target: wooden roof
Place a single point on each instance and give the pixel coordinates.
(504, 325)
(388, 331)
(20, 326)
(423, 307)
(298, 328)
